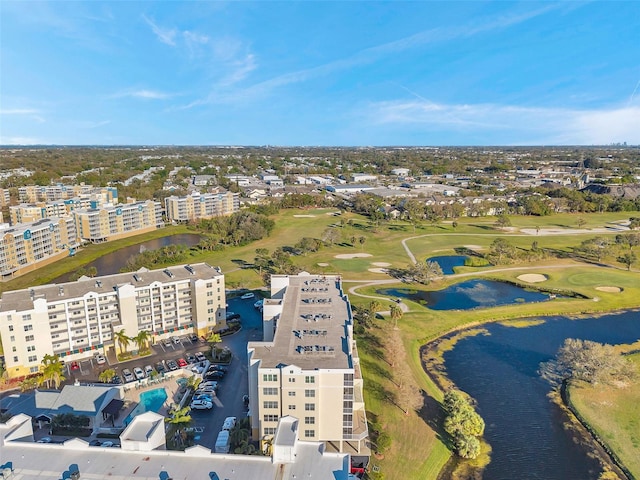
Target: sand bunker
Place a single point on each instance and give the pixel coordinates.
(533, 278)
(473, 247)
(380, 264)
(323, 264)
(304, 216)
(609, 289)
(352, 255)
(378, 270)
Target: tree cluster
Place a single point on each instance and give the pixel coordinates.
(238, 229)
(463, 423)
(170, 254)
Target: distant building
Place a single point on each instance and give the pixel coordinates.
(5, 197)
(51, 193)
(203, 180)
(363, 177)
(74, 320)
(118, 221)
(308, 365)
(349, 188)
(28, 246)
(201, 205)
(400, 172)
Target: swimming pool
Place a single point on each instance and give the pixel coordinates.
(150, 401)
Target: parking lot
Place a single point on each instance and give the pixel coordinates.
(228, 400)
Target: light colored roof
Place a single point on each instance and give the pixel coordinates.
(312, 329)
(20, 300)
(287, 432)
(142, 426)
(83, 400)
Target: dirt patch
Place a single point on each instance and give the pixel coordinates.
(609, 289)
(380, 264)
(304, 216)
(352, 255)
(533, 278)
(323, 264)
(378, 270)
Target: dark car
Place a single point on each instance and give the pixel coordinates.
(191, 359)
(172, 365)
(116, 380)
(219, 368)
(233, 316)
(194, 338)
(215, 375)
(160, 368)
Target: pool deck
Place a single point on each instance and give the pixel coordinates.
(132, 393)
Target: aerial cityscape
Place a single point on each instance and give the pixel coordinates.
(344, 240)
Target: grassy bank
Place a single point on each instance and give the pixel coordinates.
(613, 412)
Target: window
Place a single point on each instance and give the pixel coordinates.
(14, 349)
(28, 338)
(34, 369)
(269, 431)
(33, 358)
(309, 433)
(271, 418)
(309, 420)
(269, 391)
(209, 302)
(269, 404)
(310, 407)
(269, 377)
(292, 394)
(31, 348)
(28, 328)
(310, 393)
(209, 294)
(11, 328)
(309, 379)
(292, 407)
(12, 338)
(26, 318)
(292, 380)
(15, 359)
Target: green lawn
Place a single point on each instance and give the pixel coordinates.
(614, 413)
(417, 450)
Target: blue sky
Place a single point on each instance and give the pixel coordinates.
(319, 73)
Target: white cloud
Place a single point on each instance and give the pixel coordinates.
(521, 125)
(164, 35)
(144, 94)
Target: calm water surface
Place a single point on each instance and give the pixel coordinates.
(469, 294)
(112, 262)
(448, 262)
(523, 427)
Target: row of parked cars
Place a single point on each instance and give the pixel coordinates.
(140, 373)
(207, 389)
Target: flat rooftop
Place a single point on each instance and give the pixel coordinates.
(20, 300)
(311, 332)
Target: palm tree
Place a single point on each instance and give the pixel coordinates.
(107, 375)
(179, 418)
(142, 339)
(214, 339)
(396, 313)
(123, 340)
(52, 370)
(29, 383)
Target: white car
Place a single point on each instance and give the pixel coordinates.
(229, 423)
(148, 370)
(259, 304)
(100, 360)
(127, 375)
(247, 296)
(200, 356)
(139, 373)
(201, 405)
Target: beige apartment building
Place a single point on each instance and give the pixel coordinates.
(28, 246)
(51, 193)
(201, 205)
(112, 222)
(5, 197)
(31, 212)
(308, 365)
(76, 319)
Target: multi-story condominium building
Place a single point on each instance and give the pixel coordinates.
(31, 212)
(308, 365)
(30, 245)
(118, 221)
(201, 205)
(5, 197)
(75, 319)
(51, 193)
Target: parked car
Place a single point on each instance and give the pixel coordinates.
(100, 359)
(191, 358)
(215, 375)
(207, 397)
(177, 340)
(229, 423)
(148, 370)
(247, 296)
(128, 376)
(44, 440)
(116, 380)
(160, 368)
(193, 338)
(232, 316)
(172, 365)
(75, 366)
(201, 405)
(182, 362)
(218, 367)
(108, 443)
(95, 443)
(139, 373)
(205, 390)
(259, 304)
(166, 342)
(208, 383)
(200, 356)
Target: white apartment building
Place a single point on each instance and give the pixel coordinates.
(112, 222)
(51, 193)
(76, 319)
(28, 246)
(308, 365)
(5, 197)
(201, 205)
